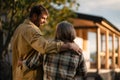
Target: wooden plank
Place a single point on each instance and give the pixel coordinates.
(107, 49)
(113, 51)
(110, 28)
(85, 39)
(98, 49)
(119, 52)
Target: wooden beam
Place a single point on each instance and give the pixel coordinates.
(79, 32)
(103, 28)
(85, 27)
(107, 49)
(113, 51)
(119, 52)
(110, 28)
(81, 22)
(98, 49)
(85, 39)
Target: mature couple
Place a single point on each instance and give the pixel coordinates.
(62, 57)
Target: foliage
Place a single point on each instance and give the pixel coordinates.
(13, 12)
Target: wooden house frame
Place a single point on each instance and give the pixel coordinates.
(105, 32)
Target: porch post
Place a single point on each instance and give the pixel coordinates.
(119, 52)
(113, 51)
(107, 50)
(98, 49)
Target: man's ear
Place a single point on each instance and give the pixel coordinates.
(34, 16)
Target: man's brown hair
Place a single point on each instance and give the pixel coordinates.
(39, 10)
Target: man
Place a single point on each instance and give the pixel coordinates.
(27, 37)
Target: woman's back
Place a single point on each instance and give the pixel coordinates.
(65, 65)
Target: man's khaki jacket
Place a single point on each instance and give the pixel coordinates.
(27, 37)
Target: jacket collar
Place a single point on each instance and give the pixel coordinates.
(27, 21)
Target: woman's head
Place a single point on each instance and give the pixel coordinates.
(65, 32)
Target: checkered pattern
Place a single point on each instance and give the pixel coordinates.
(63, 66)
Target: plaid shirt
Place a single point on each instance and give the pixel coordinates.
(64, 66)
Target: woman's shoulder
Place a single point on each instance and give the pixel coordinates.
(72, 52)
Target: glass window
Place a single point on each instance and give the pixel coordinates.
(92, 48)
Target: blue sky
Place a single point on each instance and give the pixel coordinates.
(109, 9)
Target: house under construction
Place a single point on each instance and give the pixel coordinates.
(100, 41)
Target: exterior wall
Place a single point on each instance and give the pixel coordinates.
(82, 41)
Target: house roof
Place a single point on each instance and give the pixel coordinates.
(95, 19)
(86, 21)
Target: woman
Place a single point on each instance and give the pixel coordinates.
(68, 65)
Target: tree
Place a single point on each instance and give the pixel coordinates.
(12, 13)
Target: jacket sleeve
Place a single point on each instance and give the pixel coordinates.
(39, 43)
(82, 69)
